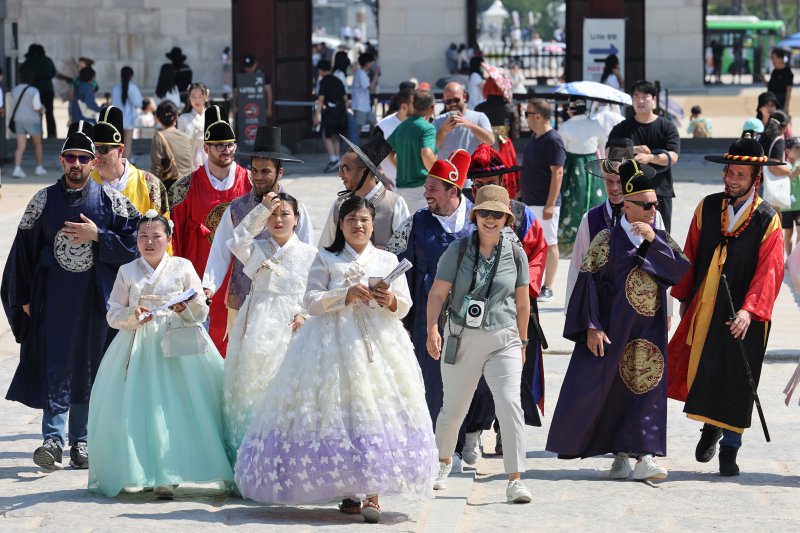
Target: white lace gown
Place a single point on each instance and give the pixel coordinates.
(261, 333)
(346, 413)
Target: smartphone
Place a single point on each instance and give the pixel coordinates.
(450, 349)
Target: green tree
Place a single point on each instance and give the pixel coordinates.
(543, 11)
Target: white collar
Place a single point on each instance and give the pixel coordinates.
(636, 240)
(122, 182)
(221, 185)
(608, 208)
(154, 272)
(455, 222)
(356, 256)
(743, 211)
(375, 190)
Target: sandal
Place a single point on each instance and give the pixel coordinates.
(350, 506)
(371, 512)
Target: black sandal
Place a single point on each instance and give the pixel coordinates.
(350, 506)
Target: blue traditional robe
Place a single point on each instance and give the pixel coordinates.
(67, 286)
(618, 403)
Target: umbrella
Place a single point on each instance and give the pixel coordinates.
(791, 42)
(458, 78)
(592, 90)
(501, 78)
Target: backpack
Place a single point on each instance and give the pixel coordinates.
(700, 129)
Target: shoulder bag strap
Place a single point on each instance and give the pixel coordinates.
(19, 101)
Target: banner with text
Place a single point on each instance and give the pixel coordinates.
(601, 38)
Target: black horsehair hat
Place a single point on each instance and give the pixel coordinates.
(176, 54)
(268, 145)
(635, 177)
(108, 131)
(217, 128)
(617, 151)
(372, 152)
(744, 151)
(79, 138)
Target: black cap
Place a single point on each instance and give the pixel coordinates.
(79, 138)
(108, 131)
(635, 177)
(766, 97)
(268, 145)
(217, 128)
(249, 60)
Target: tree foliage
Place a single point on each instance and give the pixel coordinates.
(544, 12)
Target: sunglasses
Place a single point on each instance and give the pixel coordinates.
(485, 213)
(450, 101)
(647, 206)
(103, 149)
(71, 158)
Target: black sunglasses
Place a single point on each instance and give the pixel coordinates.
(647, 206)
(485, 213)
(71, 158)
(452, 101)
(103, 149)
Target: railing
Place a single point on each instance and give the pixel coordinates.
(545, 65)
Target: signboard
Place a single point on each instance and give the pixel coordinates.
(251, 111)
(601, 38)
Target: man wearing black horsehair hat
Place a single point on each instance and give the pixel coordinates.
(266, 170)
(614, 395)
(737, 234)
(198, 202)
(143, 189)
(361, 176)
(71, 240)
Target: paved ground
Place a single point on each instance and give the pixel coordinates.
(565, 493)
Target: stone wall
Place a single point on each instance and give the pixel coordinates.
(674, 42)
(413, 38)
(137, 33)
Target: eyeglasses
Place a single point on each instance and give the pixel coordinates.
(485, 213)
(221, 147)
(346, 169)
(104, 149)
(71, 158)
(450, 101)
(647, 206)
(531, 114)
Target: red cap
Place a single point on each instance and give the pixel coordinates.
(452, 170)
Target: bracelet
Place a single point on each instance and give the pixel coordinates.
(525, 342)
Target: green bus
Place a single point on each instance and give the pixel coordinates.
(757, 37)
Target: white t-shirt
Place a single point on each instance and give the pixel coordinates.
(475, 89)
(28, 110)
(360, 91)
(612, 81)
(388, 125)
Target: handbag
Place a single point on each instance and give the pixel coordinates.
(777, 189)
(12, 124)
(185, 339)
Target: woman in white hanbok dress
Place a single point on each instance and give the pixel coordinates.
(156, 421)
(346, 413)
(271, 313)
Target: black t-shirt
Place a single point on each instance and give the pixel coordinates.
(780, 80)
(661, 134)
(335, 111)
(540, 154)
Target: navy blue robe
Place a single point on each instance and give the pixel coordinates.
(67, 287)
(618, 403)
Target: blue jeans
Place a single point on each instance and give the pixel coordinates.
(731, 439)
(54, 424)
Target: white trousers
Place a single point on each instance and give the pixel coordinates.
(497, 355)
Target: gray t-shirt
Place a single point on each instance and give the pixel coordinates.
(501, 309)
(460, 136)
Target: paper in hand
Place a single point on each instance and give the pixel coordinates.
(185, 296)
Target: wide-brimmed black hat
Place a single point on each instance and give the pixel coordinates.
(744, 151)
(619, 148)
(268, 145)
(108, 131)
(217, 128)
(635, 177)
(372, 152)
(79, 138)
(176, 55)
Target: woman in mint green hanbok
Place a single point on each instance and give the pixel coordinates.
(155, 414)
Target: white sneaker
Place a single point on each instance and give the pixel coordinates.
(517, 492)
(621, 467)
(472, 448)
(647, 468)
(441, 477)
(40, 171)
(18, 173)
(457, 464)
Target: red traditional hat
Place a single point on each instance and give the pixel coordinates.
(452, 170)
(486, 161)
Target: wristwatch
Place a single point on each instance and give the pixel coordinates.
(525, 342)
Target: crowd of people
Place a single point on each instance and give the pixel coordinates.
(219, 340)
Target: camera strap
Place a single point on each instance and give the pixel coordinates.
(489, 278)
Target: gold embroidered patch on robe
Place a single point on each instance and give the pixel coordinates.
(641, 366)
(214, 217)
(641, 290)
(597, 254)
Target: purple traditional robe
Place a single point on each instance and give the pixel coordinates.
(618, 403)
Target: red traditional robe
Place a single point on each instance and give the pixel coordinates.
(197, 208)
(705, 369)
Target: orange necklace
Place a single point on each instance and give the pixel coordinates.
(735, 233)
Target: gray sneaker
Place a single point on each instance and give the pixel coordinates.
(621, 467)
(48, 456)
(79, 456)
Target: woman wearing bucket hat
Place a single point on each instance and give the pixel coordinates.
(486, 332)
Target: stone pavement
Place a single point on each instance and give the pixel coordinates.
(565, 493)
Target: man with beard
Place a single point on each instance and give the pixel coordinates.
(266, 169)
(144, 190)
(198, 202)
(360, 176)
(71, 241)
(422, 238)
(459, 127)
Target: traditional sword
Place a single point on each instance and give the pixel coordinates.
(746, 361)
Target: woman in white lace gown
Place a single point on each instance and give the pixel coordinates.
(156, 421)
(272, 311)
(345, 414)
